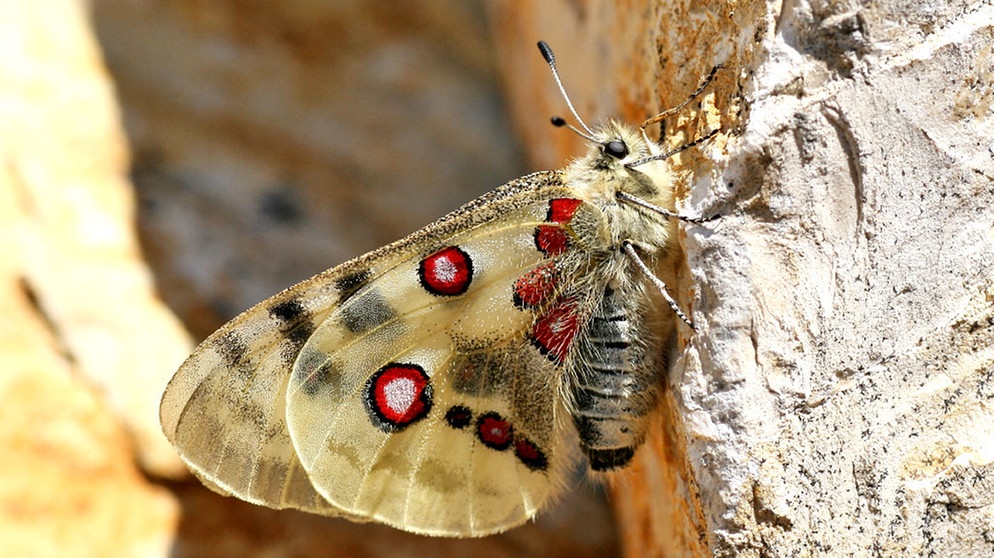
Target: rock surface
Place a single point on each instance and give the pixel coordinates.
(837, 397)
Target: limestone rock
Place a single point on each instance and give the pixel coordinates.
(836, 399)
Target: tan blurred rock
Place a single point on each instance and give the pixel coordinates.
(68, 484)
(65, 159)
(84, 344)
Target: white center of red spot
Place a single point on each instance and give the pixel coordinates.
(397, 395)
(445, 270)
(400, 394)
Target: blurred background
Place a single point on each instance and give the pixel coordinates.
(169, 163)
(271, 141)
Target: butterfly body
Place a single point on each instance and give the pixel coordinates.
(430, 384)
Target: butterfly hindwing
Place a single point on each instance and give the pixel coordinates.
(423, 401)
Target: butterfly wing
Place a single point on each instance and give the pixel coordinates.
(421, 401)
(417, 397)
(224, 409)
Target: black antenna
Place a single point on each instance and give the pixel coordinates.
(551, 60)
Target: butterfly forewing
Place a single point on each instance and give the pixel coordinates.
(420, 401)
(225, 408)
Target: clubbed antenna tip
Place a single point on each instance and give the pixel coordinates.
(547, 53)
(550, 59)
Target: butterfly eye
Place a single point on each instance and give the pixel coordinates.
(616, 149)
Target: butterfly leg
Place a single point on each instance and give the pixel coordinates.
(671, 111)
(656, 281)
(668, 112)
(637, 201)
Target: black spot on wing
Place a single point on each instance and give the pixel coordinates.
(232, 348)
(288, 311)
(301, 333)
(315, 370)
(349, 284)
(294, 324)
(362, 314)
(459, 417)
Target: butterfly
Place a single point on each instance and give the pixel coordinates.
(430, 384)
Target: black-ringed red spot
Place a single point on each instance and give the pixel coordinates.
(535, 287)
(529, 454)
(458, 417)
(447, 272)
(553, 240)
(553, 332)
(398, 395)
(561, 210)
(494, 431)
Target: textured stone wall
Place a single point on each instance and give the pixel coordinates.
(836, 399)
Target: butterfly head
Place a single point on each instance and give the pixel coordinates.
(614, 163)
(620, 144)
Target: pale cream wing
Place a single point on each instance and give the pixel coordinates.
(224, 410)
(425, 400)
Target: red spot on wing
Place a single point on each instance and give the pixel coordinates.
(447, 272)
(536, 286)
(561, 210)
(494, 431)
(554, 330)
(553, 240)
(529, 454)
(398, 395)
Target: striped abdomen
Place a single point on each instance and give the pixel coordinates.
(614, 385)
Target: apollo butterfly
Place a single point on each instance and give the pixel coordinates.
(423, 385)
